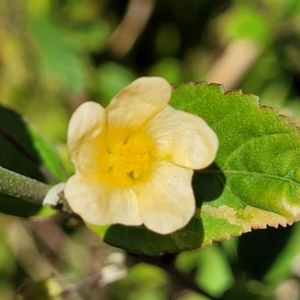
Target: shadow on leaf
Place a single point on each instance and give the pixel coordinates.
(208, 184)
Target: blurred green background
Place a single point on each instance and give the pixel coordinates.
(57, 54)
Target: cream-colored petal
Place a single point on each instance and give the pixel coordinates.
(167, 201)
(138, 102)
(86, 123)
(100, 206)
(184, 138)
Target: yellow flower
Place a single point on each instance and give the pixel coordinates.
(134, 160)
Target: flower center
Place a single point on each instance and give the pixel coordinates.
(131, 158)
(127, 159)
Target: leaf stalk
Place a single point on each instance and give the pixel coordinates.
(22, 187)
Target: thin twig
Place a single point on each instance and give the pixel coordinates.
(136, 17)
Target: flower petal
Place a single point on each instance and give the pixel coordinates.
(138, 102)
(86, 123)
(167, 201)
(185, 138)
(101, 206)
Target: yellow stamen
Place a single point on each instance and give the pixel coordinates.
(125, 160)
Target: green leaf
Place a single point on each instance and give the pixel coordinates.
(142, 240)
(58, 61)
(48, 155)
(210, 266)
(25, 152)
(253, 183)
(243, 22)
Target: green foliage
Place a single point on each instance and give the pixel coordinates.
(245, 23)
(212, 269)
(24, 151)
(256, 165)
(112, 78)
(142, 240)
(67, 68)
(142, 279)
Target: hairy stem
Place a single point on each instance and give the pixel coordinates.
(19, 186)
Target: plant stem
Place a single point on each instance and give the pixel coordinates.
(22, 187)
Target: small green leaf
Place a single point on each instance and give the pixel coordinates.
(48, 156)
(25, 152)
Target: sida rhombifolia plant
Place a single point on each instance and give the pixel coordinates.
(161, 169)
